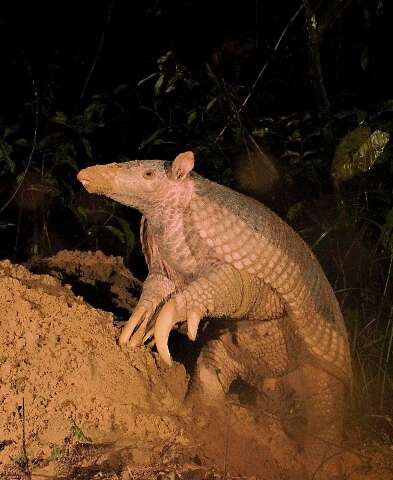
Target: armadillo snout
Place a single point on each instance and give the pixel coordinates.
(95, 179)
(83, 177)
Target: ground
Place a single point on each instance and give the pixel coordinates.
(73, 404)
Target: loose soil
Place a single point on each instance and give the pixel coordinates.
(73, 404)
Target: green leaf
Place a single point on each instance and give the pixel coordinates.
(192, 117)
(310, 153)
(171, 85)
(387, 232)
(388, 106)
(4, 225)
(296, 136)
(10, 130)
(23, 142)
(358, 152)
(116, 232)
(260, 132)
(153, 137)
(65, 154)
(67, 161)
(292, 123)
(87, 147)
(78, 435)
(5, 155)
(77, 124)
(94, 115)
(294, 211)
(291, 155)
(56, 454)
(364, 58)
(168, 56)
(59, 117)
(315, 134)
(343, 114)
(120, 88)
(158, 85)
(128, 233)
(45, 142)
(82, 212)
(211, 104)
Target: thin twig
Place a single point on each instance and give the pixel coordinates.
(262, 71)
(35, 133)
(26, 464)
(388, 275)
(98, 51)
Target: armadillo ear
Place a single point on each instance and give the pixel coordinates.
(182, 165)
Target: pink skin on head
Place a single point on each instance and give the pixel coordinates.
(156, 191)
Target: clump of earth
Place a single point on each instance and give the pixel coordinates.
(76, 405)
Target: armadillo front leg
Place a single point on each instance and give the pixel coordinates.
(223, 291)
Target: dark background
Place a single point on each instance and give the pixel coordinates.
(60, 39)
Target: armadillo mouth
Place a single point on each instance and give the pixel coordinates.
(93, 180)
(83, 177)
(84, 181)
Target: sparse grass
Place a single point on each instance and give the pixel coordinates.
(21, 460)
(56, 454)
(362, 255)
(77, 434)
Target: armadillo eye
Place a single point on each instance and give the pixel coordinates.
(148, 174)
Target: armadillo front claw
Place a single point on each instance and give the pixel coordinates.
(138, 336)
(139, 317)
(148, 335)
(166, 320)
(193, 320)
(170, 314)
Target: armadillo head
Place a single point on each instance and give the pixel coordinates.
(147, 185)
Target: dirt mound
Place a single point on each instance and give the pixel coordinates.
(74, 404)
(59, 356)
(112, 284)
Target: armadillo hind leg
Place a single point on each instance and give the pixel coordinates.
(269, 351)
(216, 369)
(323, 398)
